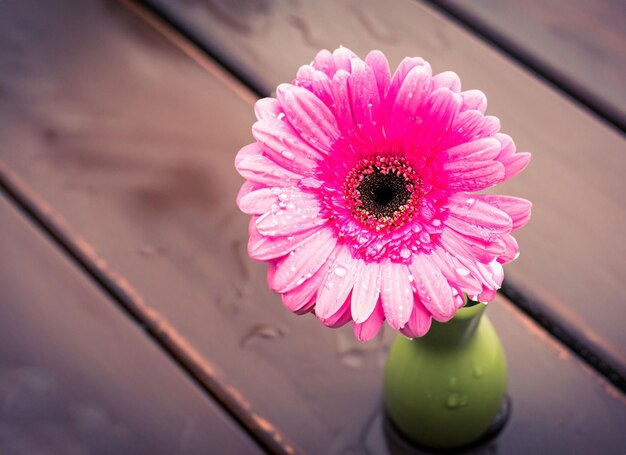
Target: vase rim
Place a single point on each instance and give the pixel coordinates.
(468, 312)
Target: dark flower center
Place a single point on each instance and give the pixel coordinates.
(382, 194)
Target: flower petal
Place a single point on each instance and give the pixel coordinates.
(490, 126)
(474, 99)
(455, 272)
(483, 250)
(447, 79)
(297, 212)
(341, 104)
(267, 109)
(262, 248)
(258, 201)
(309, 116)
(419, 322)
(513, 162)
(366, 291)
(260, 169)
(479, 150)
(302, 298)
(487, 295)
(432, 288)
(343, 58)
(517, 208)
(379, 64)
(324, 61)
(466, 126)
(246, 187)
(337, 284)
(474, 217)
(404, 68)
(248, 151)
(300, 265)
(471, 175)
(457, 247)
(405, 112)
(511, 249)
(340, 318)
(441, 108)
(283, 146)
(369, 328)
(396, 293)
(316, 82)
(365, 99)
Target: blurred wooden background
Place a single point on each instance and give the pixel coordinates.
(132, 320)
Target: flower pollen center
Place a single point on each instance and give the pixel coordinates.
(382, 192)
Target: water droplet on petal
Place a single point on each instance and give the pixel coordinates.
(462, 271)
(288, 154)
(340, 271)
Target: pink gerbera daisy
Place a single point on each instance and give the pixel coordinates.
(360, 186)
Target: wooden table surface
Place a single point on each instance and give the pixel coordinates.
(575, 179)
(132, 320)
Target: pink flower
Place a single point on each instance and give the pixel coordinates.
(360, 186)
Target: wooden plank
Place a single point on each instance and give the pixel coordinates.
(139, 161)
(578, 44)
(77, 376)
(569, 253)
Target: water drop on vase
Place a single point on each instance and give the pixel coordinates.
(456, 401)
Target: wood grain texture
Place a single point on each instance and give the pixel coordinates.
(77, 376)
(578, 43)
(571, 263)
(132, 143)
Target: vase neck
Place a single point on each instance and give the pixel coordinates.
(457, 330)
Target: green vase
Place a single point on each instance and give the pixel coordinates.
(447, 389)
